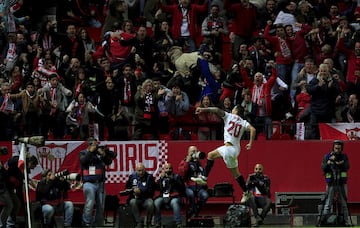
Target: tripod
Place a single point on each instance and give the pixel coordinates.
(335, 197)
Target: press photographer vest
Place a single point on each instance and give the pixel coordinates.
(341, 175)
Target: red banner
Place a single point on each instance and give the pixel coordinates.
(293, 166)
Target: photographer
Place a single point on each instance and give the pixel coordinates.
(51, 192)
(191, 167)
(335, 166)
(142, 188)
(93, 161)
(11, 191)
(172, 189)
(259, 184)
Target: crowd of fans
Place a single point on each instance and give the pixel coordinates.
(125, 70)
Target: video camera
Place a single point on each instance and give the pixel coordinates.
(108, 153)
(67, 175)
(198, 155)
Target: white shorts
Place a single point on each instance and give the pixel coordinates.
(230, 155)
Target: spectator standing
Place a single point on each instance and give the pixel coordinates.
(351, 113)
(303, 101)
(51, 192)
(299, 51)
(162, 36)
(127, 85)
(70, 44)
(87, 46)
(78, 117)
(142, 185)
(353, 60)
(261, 95)
(162, 91)
(323, 90)
(30, 102)
(245, 24)
(269, 12)
(93, 161)
(54, 100)
(259, 185)
(215, 27)
(116, 8)
(282, 51)
(196, 194)
(177, 105)
(306, 74)
(146, 111)
(143, 48)
(185, 26)
(47, 36)
(210, 75)
(106, 108)
(7, 108)
(171, 192)
(232, 86)
(248, 108)
(306, 14)
(258, 54)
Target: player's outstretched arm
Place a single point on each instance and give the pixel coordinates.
(215, 110)
(252, 137)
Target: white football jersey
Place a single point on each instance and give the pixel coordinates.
(234, 128)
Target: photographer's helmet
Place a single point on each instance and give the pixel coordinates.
(339, 142)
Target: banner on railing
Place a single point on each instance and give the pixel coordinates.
(61, 155)
(342, 131)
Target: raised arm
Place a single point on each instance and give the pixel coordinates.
(215, 110)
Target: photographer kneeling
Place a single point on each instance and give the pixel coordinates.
(51, 192)
(93, 161)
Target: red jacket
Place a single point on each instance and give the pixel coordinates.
(276, 43)
(177, 16)
(245, 23)
(267, 88)
(353, 62)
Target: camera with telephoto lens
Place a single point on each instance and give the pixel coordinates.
(67, 175)
(126, 192)
(337, 157)
(109, 154)
(198, 155)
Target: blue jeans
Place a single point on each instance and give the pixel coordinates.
(192, 192)
(341, 190)
(49, 211)
(175, 204)
(137, 204)
(93, 192)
